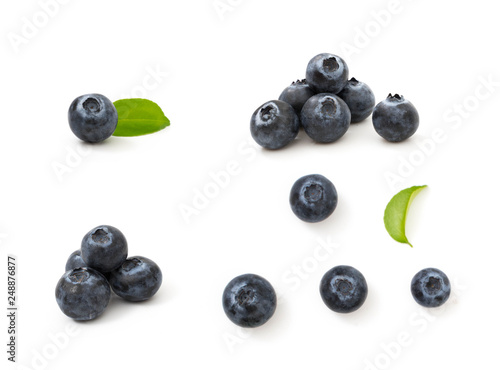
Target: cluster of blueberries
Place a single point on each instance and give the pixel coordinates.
(325, 103)
(92, 118)
(250, 301)
(99, 266)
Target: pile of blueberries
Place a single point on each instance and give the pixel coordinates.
(325, 103)
(99, 266)
(250, 301)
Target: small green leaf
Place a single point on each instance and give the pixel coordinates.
(396, 211)
(139, 117)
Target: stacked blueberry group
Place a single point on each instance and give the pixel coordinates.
(325, 103)
(101, 266)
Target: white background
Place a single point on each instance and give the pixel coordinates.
(213, 69)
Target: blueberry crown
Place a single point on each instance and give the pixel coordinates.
(395, 97)
(330, 64)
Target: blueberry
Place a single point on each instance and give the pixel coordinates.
(274, 124)
(430, 287)
(327, 73)
(297, 94)
(395, 119)
(343, 289)
(137, 279)
(104, 248)
(325, 118)
(75, 260)
(359, 98)
(249, 300)
(92, 118)
(313, 198)
(83, 293)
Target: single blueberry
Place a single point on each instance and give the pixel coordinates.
(249, 300)
(274, 124)
(92, 118)
(430, 287)
(137, 279)
(104, 248)
(343, 289)
(83, 293)
(325, 118)
(296, 95)
(395, 118)
(313, 198)
(327, 73)
(75, 260)
(359, 98)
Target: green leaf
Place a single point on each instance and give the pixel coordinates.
(396, 212)
(139, 117)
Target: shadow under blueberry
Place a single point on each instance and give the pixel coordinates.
(120, 309)
(275, 326)
(112, 143)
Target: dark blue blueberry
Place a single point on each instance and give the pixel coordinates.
(430, 287)
(75, 260)
(274, 124)
(137, 279)
(313, 198)
(327, 73)
(92, 118)
(343, 289)
(83, 293)
(297, 94)
(325, 118)
(249, 300)
(395, 118)
(359, 98)
(104, 248)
